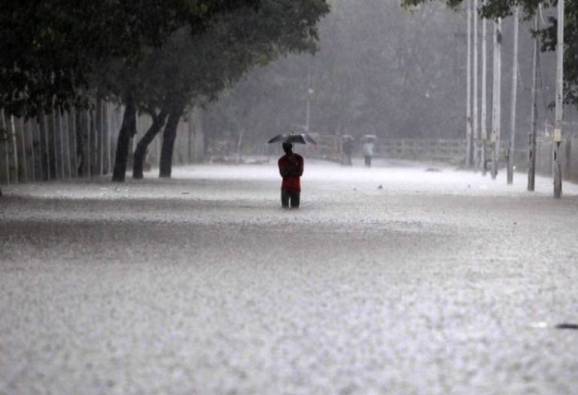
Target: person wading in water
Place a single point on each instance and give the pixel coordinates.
(291, 169)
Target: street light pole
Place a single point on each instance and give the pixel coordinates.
(468, 84)
(496, 96)
(308, 102)
(475, 126)
(534, 111)
(483, 114)
(557, 138)
(514, 97)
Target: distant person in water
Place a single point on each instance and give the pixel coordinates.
(291, 169)
(368, 151)
(347, 147)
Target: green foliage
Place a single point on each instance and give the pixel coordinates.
(52, 49)
(196, 68)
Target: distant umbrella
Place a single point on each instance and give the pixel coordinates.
(347, 137)
(369, 137)
(295, 138)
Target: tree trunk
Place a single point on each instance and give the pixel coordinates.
(127, 132)
(141, 149)
(169, 137)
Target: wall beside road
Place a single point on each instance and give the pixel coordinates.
(82, 143)
(436, 150)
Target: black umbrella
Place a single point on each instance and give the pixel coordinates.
(296, 138)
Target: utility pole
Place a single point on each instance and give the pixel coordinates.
(484, 115)
(514, 97)
(308, 110)
(468, 85)
(475, 126)
(557, 138)
(534, 112)
(496, 95)
(308, 102)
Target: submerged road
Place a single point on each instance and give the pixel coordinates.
(389, 280)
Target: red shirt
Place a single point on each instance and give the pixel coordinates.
(291, 169)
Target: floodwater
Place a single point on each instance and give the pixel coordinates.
(398, 279)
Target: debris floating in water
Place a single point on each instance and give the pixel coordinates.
(567, 326)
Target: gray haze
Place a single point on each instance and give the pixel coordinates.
(381, 70)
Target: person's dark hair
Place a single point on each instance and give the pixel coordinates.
(287, 147)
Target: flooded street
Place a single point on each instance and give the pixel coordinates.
(398, 279)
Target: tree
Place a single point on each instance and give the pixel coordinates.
(52, 48)
(54, 51)
(193, 69)
(197, 16)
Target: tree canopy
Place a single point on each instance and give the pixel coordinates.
(52, 48)
(196, 69)
(151, 55)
